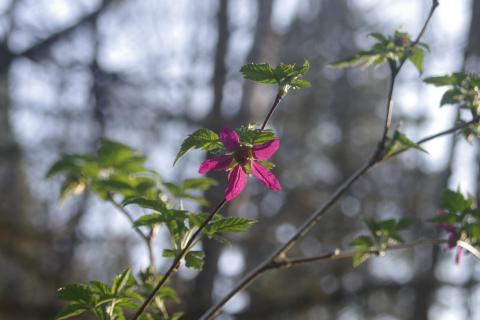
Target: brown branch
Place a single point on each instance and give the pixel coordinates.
(280, 254)
(337, 254)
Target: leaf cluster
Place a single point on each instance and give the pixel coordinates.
(107, 302)
(286, 76)
(397, 144)
(382, 234)
(464, 92)
(181, 224)
(393, 49)
(460, 212)
(206, 139)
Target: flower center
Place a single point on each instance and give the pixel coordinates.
(242, 155)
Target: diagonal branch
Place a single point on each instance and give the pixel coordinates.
(280, 254)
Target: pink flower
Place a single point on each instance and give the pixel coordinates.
(240, 161)
(453, 237)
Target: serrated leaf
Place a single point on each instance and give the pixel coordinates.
(166, 293)
(300, 84)
(398, 144)
(454, 201)
(149, 220)
(121, 280)
(201, 139)
(194, 260)
(447, 80)
(261, 72)
(198, 184)
(229, 224)
(251, 137)
(362, 243)
(157, 204)
(70, 311)
(74, 292)
(170, 253)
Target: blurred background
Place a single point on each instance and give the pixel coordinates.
(148, 72)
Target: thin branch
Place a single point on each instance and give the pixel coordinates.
(277, 259)
(281, 93)
(337, 254)
(281, 253)
(129, 217)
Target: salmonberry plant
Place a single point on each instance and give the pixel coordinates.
(117, 174)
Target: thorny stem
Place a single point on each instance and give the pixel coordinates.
(176, 262)
(281, 93)
(281, 253)
(191, 241)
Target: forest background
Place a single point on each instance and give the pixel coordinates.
(147, 73)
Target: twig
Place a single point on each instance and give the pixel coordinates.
(337, 254)
(281, 253)
(281, 93)
(129, 217)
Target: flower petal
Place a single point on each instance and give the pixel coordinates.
(266, 150)
(230, 139)
(458, 255)
(215, 164)
(237, 180)
(265, 176)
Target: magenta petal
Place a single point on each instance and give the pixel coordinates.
(458, 255)
(216, 164)
(230, 139)
(266, 150)
(237, 180)
(265, 176)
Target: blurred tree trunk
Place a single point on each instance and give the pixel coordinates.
(426, 284)
(27, 267)
(200, 297)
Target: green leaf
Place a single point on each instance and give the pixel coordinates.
(454, 201)
(198, 184)
(267, 164)
(450, 97)
(201, 139)
(251, 136)
(149, 220)
(194, 260)
(398, 144)
(74, 292)
(169, 253)
(447, 80)
(157, 205)
(360, 258)
(71, 186)
(285, 75)
(262, 73)
(166, 293)
(66, 163)
(70, 311)
(230, 224)
(121, 280)
(416, 58)
(405, 223)
(300, 84)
